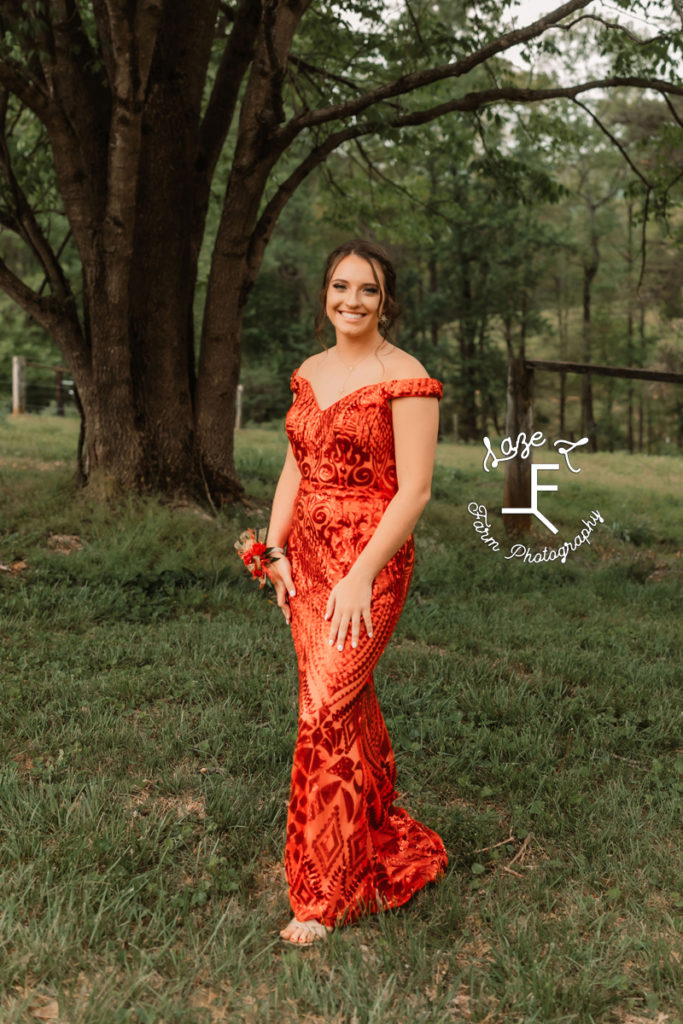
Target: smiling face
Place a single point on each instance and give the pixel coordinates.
(354, 297)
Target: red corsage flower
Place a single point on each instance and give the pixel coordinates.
(255, 554)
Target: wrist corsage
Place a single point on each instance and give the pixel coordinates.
(256, 554)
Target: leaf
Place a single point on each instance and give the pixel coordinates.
(48, 1011)
(478, 869)
(15, 568)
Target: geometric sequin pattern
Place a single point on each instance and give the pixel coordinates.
(349, 850)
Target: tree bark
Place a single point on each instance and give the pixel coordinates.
(519, 418)
(140, 266)
(587, 416)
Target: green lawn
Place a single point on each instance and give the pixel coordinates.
(148, 721)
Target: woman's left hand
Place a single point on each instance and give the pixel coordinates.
(349, 601)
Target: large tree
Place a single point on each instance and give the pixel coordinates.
(132, 106)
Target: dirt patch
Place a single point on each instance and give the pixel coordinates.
(64, 543)
(183, 805)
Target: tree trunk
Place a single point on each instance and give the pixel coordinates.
(433, 290)
(562, 330)
(609, 405)
(232, 275)
(642, 397)
(139, 292)
(588, 425)
(629, 323)
(468, 421)
(518, 419)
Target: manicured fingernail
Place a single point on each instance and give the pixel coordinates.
(370, 634)
(292, 593)
(340, 647)
(354, 644)
(331, 642)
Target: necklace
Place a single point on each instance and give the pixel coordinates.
(350, 369)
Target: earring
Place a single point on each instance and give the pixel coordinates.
(383, 321)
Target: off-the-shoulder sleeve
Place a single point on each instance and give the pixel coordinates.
(295, 382)
(414, 387)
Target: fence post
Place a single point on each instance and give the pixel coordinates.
(238, 407)
(18, 385)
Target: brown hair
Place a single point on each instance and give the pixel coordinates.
(389, 308)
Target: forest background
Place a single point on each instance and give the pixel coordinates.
(549, 228)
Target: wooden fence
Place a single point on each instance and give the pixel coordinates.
(519, 419)
(19, 364)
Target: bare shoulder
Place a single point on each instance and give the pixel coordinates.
(401, 365)
(310, 365)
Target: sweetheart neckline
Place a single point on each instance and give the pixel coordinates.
(363, 387)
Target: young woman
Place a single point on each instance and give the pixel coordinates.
(357, 475)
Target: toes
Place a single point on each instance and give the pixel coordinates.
(304, 932)
(294, 932)
(289, 931)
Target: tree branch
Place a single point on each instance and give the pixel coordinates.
(131, 31)
(679, 8)
(76, 116)
(268, 219)
(27, 227)
(49, 312)
(615, 142)
(220, 110)
(416, 26)
(427, 76)
(21, 84)
(75, 59)
(607, 24)
(146, 31)
(120, 33)
(312, 69)
(259, 143)
(674, 113)
(470, 102)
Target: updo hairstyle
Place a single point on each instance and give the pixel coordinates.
(389, 309)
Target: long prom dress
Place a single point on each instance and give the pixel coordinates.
(349, 850)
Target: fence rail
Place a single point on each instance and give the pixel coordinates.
(632, 373)
(63, 389)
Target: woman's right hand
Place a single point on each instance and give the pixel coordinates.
(280, 572)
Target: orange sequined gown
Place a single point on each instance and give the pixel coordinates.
(349, 849)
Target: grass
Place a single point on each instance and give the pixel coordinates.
(148, 721)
